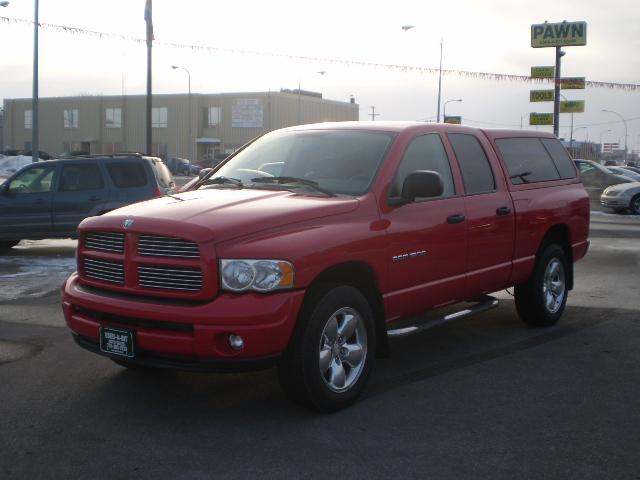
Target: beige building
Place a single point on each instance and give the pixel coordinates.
(196, 126)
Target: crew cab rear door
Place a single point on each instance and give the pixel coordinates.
(490, 218)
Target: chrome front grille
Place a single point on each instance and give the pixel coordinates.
(157, 246)
(112, 272)
(185, 279)
(105, 241)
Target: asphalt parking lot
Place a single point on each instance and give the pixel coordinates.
(486, 397)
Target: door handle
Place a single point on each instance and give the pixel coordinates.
(458, 218)
(503, 211)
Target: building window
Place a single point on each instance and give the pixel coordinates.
(27, 119)
(71, 118)
(214, 116)
(113, 117)
(159, 117)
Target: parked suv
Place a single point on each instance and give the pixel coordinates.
(312, 245)
(49, 199)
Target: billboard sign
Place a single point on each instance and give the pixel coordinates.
(543, 72)
(247, 113)
(572, 106)
(541, 95)
(455, 120)
(559, 34)
(541, 119)
(572, 83)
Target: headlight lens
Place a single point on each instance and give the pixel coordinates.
(612, 191)
(239, 275)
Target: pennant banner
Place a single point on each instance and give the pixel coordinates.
(500, 77)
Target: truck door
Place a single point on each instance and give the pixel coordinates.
(426, 238)
(490, 216)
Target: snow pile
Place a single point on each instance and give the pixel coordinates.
(10, 165)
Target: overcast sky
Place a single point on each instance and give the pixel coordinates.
(486, 36)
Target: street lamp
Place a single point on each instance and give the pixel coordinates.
(174, 67)
(444, 107)
(409, 27)
(625, 130)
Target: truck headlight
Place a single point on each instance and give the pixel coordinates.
(239, 275)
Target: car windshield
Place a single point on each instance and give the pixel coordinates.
(330, 161)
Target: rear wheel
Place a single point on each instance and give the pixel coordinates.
(7, 244)
(329, 359)
(541, 300)
(634, 205)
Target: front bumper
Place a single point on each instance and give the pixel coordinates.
(619, 201)
(187, 336)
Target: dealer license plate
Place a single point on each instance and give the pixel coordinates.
(117, 342)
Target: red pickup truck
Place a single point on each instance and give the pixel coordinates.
(312, 245)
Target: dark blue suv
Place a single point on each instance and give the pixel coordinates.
(49, 199)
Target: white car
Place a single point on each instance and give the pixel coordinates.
(625, 196)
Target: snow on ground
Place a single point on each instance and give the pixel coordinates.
(35, 268)
(10, 165)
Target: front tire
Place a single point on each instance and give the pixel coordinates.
(542, 299)
(634, 205)
(330, 355)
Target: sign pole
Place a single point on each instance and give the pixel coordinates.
(556, 100)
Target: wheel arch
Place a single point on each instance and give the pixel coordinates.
(361, 276)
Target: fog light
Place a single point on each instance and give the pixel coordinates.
(236, 342)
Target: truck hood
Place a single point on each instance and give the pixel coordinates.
(222, 214)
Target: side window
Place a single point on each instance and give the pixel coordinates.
(586, 168)
(527, 160)
(560, 157)
(424, 153)
(75, 178)
(33, 180)
(127, 174)
(476, 170)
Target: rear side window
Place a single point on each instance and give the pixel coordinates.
(476, 171)
(424, 153)
(527, 160)
(560, 157)
(76, 178)
(127, 174)
(162, 173)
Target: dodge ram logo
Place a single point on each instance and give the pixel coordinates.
(127, 223)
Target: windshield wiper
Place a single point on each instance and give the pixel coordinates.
(294, 181)
(223, 181)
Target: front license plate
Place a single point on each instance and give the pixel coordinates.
(117, 342)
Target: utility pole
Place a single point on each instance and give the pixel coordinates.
(556, 96)
(35, 147)
(373, 113)
(149, 19)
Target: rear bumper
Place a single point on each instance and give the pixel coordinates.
(186, 335)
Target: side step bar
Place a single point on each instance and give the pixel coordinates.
(485, 302)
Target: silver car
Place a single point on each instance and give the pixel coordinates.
(622, 197)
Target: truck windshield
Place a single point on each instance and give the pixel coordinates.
(336, 161)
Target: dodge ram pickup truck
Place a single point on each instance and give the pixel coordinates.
(312, 245)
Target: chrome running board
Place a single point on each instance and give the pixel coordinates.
(484, 303)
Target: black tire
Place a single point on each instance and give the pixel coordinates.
(541, 300)
(634, 205)
(301, 375)
(7, 244)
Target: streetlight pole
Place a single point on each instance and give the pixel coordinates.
(444, 110)
(35, 147)
(409, 27)
(190, 119)
(625, 130)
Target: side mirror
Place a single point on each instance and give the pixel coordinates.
(421, 183)
(203, 173)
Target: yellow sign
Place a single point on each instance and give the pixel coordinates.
(572, 106)
(541, 119)
(453, 120)
(572, 83)
(543, 72)
(541, 95)
(558, 34)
